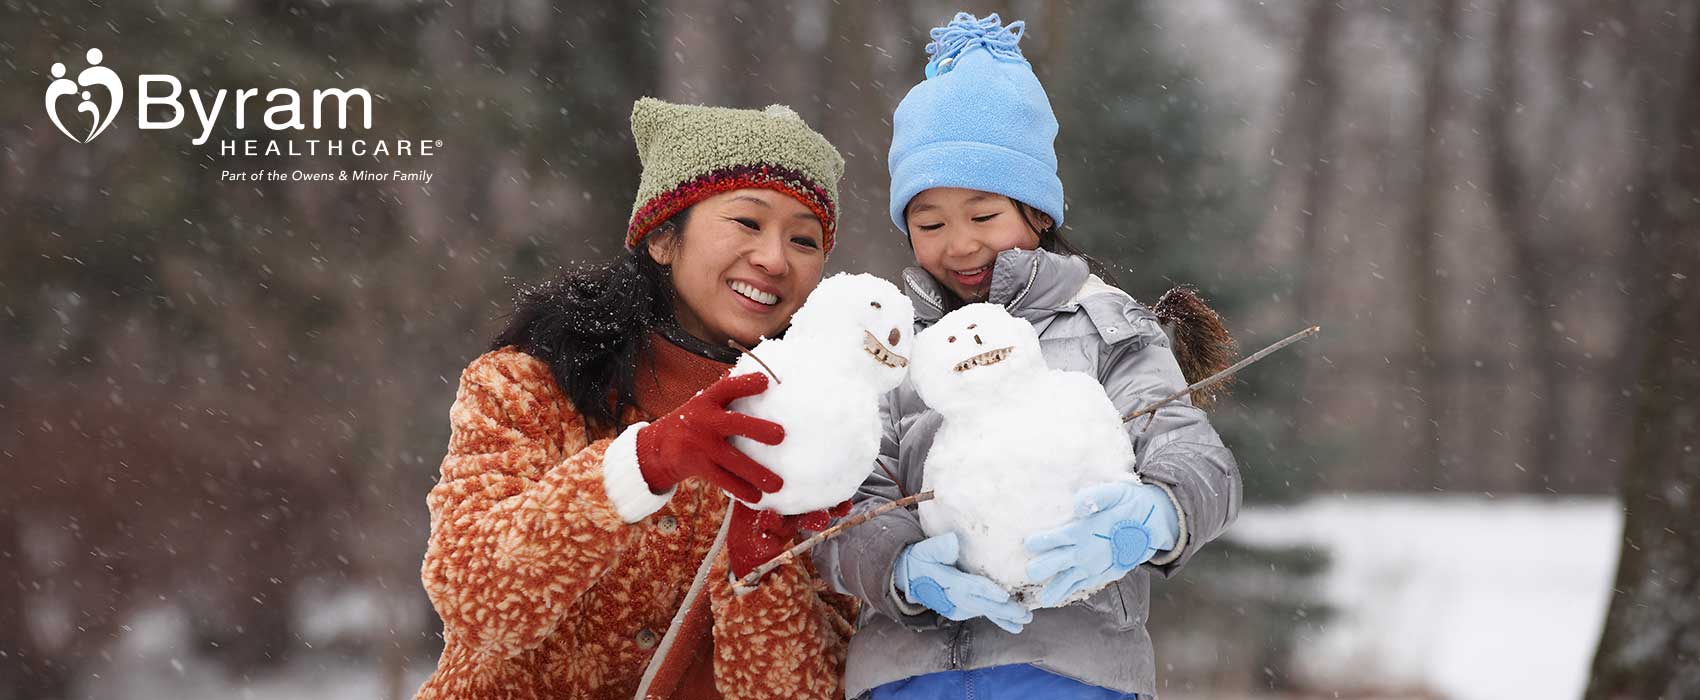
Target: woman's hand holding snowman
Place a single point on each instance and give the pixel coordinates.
(1117, 527)
(926, 574)
(691, 441)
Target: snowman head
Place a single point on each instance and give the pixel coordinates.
(858, 327)
(971, 356)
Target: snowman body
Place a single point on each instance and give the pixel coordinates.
(1018, 439)
(846, 346)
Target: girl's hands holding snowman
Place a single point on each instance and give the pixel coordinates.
(1117, 527)
(926, 574)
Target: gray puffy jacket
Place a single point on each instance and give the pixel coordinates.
(1087, 326)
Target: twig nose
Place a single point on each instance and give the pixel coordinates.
(895, 336)
(977, 340)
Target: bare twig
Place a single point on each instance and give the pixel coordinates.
(754, 577)
(893, 477)
(740, 348)
(1224, 374)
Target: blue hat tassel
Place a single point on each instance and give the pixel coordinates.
(966, 32)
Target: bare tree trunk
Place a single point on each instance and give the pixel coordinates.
(26, 669)
(1651, 644)
(695, 63)
(1430, 200)
(1647, 64)
(1304, 141)
(1514, 194)
(1310, 116)
(857, 122)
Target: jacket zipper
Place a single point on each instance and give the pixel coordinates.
(959, 647)
(1032, 274)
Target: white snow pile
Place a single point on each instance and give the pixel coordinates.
(1018, 440)
(847, 345)
(1468, 597)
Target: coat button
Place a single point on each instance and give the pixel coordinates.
(646, 638)
(667, 524)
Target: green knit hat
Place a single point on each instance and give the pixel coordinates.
(690, 153)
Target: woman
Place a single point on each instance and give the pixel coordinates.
(576, 533)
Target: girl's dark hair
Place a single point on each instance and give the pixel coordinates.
(1051, 240)
(591, 323)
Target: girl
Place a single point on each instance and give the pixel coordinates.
(579, 516)
(974, 185)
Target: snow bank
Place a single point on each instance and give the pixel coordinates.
(1472, 597)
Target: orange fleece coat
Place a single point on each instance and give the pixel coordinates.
(545, 592)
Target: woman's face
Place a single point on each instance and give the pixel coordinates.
(957, 235)
(744, 262)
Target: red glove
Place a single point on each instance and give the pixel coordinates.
(756, 536)
(691, 441)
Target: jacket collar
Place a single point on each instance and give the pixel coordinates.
(1032, 284)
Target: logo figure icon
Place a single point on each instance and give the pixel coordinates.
(95, 74)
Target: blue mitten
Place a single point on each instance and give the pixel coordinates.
(1117, 526)
(926, 574)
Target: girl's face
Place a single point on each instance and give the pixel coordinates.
(744, 262)
(957, 235)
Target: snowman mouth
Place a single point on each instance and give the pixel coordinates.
(991, 357)
(880, 353)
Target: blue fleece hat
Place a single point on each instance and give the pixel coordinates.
(979, 121)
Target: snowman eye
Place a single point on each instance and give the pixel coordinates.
(971, 326)
(951, 339)
(874, 304)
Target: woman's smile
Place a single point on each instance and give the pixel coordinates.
(754, 297)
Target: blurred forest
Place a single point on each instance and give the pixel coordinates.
(229, 399)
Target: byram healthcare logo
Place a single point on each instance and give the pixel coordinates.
(95, 75)
(82, 109)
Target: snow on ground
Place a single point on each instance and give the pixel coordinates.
(1472, 597)
(154, 661)
(1469, 597)
(309, 675)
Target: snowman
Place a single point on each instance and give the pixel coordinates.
(846, 347)
(1018, 440)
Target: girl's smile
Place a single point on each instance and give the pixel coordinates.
(975, 278)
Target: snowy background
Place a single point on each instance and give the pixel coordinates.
(223, 403)
(1462, 597)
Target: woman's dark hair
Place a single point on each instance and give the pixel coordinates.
(591, 323)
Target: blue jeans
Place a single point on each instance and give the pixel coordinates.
(1016, 681)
